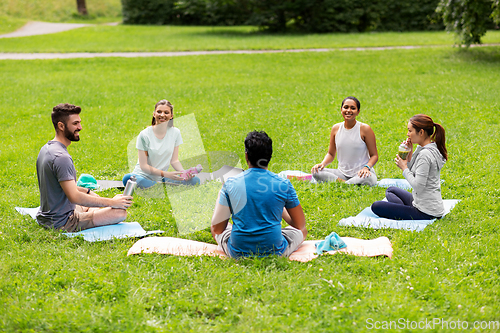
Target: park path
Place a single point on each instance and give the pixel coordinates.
(41, 28)
(33, 56)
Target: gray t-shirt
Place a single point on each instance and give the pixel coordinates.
(54, 165)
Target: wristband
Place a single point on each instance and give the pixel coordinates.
(369, 168)
(88, 191)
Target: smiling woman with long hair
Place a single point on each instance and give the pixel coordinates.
(355, 146)
(158, 148)
(421, 169)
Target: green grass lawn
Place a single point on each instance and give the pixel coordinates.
(175, 38)
(9, 24)
(60, 11)
(449, 271)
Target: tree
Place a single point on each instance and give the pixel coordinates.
(82, 7)
(496, 12)
(469, 19)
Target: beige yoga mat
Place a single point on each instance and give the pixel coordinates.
(184, 247)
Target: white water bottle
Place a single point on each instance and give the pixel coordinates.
(130, 187)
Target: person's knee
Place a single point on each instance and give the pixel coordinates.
(372, 180)
(377, 207)
(126, 178)
(324, 176)
(195, 181)
(121, 214)
(391, 190)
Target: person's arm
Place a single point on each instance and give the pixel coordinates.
(75, 196)
(176, 164)
(295, 218)
(87, 191)
(220, 218)
(418, 177)
(368, 137)
(409, 144)
(143, 162)
(332, 150)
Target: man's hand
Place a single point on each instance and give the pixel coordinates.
(121, 201)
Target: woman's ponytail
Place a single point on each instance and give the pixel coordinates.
(434, 130)
(439, 138)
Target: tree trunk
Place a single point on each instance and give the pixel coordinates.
(82, 7)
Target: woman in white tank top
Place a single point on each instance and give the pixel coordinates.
(356, 149)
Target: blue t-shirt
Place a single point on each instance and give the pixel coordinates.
(256, 199)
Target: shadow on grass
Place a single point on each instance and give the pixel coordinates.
(245, 34)
(485, 54)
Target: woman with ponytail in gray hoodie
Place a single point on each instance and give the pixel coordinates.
(421, 169)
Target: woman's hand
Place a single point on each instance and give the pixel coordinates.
(409, 144)
(189, 176)
(365, 172)
(317, 168)
(402, 164)
(175, 175)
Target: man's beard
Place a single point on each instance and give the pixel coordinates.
(70, 136)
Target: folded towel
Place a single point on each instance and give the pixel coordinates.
(87, 181)
(332, 242)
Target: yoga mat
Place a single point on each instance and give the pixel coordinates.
(386, 182)
(108, 232)
(287, 174)
(306, 252)
(396, 182)
(368, 219)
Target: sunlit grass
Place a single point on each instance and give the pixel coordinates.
(449, 271)
(177, 38)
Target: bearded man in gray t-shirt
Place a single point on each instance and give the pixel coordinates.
(63, 205)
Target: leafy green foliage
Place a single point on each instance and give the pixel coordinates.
(345, 15)
(495, 15)
(468, 19)
(283, 15)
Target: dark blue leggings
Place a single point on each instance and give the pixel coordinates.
(398, 206)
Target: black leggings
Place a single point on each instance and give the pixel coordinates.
(398, 206)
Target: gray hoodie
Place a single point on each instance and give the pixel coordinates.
(423, 175)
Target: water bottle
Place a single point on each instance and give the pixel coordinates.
(403, 151)
(130, 187)
(191, 171)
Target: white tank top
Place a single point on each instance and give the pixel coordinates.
(352, 152)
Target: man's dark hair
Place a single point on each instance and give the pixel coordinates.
(259, 148)
(61, 113)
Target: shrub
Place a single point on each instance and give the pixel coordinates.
(149, 12)
(283, 15)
